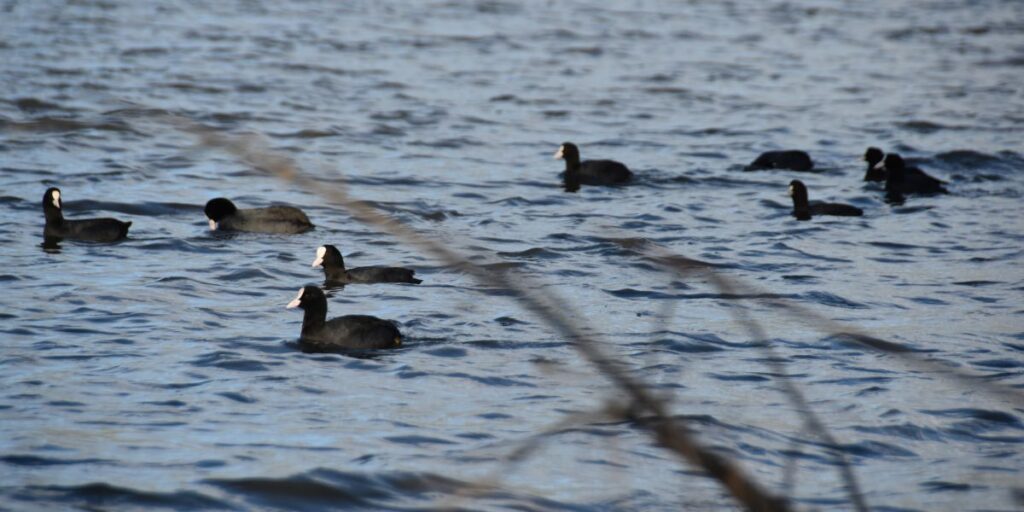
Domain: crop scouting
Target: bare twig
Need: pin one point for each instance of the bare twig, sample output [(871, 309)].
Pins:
[(792, 465), (668, 432), (682, 265), (811, 420)]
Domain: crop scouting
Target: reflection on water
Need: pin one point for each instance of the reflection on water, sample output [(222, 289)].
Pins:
[(51, 244)]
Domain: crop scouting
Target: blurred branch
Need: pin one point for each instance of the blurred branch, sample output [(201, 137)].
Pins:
[(811, 420), (684, 266), (669, 433)]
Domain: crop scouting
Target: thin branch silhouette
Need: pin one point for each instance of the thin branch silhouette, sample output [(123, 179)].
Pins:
[(645, 409), (739, 290), (667, 431)]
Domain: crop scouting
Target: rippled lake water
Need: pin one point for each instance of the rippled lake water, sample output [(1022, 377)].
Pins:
[(162, 372)]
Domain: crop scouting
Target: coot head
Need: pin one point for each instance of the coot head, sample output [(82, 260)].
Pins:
[(894, 164), (52, 205), (567, 151), (217, 209), (51, 199), (308, 296), (798, 191), (873, 155), (328, 255), (801, 207)]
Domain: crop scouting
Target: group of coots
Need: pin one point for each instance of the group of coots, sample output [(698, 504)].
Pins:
[(367, 332), (318, 334), (899, 180)]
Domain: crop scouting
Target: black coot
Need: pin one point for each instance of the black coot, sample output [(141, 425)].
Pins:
[(901, 179), (804, 210), (343, 332), (92, 230), (223, 215), (590, 172), (794, 160), (873, 156), (334, 270)]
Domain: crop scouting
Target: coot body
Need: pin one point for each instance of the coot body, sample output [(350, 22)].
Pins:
[(335, 272), (794, 160), (224, 215), (90, 230), (350, 332), (590, 172), (901, 179), (804, 210)]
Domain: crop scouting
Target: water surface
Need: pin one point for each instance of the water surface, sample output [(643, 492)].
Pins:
[(162, 372)]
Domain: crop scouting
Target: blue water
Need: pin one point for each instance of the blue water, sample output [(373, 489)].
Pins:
[(162, 372)]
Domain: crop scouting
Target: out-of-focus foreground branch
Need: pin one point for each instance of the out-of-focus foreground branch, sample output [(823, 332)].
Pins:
[(652, 412), (645, 409)]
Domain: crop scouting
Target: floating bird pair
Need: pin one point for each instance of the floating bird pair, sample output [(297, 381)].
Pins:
[(222, 215), (358, 332), (349, 332), (898, 177)]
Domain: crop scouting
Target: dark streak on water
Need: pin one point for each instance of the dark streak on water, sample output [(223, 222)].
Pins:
[(162, 372)]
